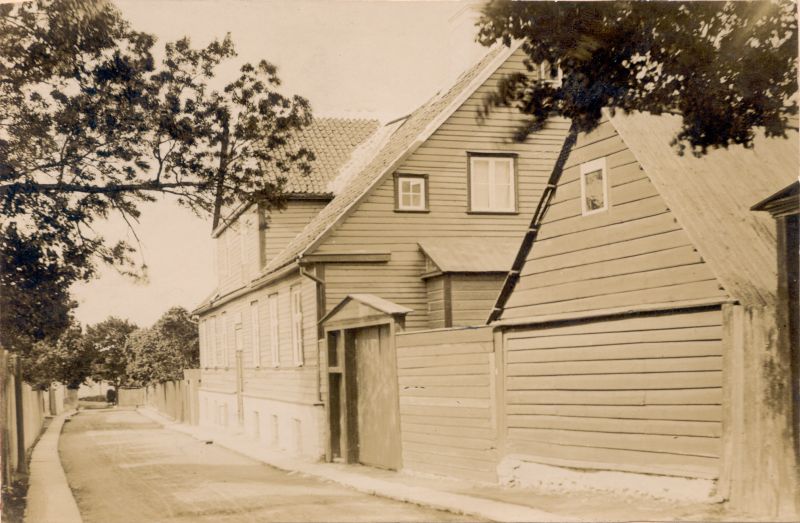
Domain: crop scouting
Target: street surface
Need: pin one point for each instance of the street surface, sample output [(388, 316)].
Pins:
[(122, 467)]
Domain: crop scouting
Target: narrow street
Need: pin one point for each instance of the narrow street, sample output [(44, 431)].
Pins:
[(123, 467)]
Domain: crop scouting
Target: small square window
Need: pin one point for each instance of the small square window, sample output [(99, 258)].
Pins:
[(411, 192), (594, 187), (492, 184)]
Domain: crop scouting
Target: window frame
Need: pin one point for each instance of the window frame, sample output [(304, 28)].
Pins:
[(512, 157), (598, 164), (398, 177)]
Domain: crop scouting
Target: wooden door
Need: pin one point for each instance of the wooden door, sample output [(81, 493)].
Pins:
[(378, 418), (239, 377)]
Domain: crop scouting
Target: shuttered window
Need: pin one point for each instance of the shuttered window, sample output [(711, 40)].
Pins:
[(492, 184), (255, 338), (274, 342), (222, 352), (296, 297), (212, 341)]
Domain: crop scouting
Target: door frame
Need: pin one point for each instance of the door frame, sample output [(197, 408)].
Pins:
[(338, 366)]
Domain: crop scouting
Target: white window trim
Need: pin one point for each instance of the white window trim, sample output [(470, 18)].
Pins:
[(296, 312), (492, 159), (544, 73), (590, 167), (255, 333), (274, 330), (423, 193)]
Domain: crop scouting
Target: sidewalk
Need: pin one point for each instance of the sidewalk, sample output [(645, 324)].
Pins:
[(484, 501), (49, 497)]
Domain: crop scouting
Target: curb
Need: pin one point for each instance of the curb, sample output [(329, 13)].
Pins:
[(427, 497), (49, 497)]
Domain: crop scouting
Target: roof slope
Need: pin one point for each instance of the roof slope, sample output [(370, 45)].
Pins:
[(711, 197), (409, 135), (332, 140), (468, 255)]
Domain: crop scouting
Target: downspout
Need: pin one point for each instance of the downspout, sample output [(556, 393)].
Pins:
[(320, 313)]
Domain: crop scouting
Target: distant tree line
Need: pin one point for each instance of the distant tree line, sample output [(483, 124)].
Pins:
[(116, 351)]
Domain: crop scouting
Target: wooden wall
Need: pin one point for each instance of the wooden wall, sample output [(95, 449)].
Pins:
[(473, 296), (374, 226), (637, 393), (446, 402), (287, 382), (633, 253), (435, 289), (283, 225)]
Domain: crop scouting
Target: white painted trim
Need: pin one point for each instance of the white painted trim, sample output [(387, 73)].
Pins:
[(589, 167)]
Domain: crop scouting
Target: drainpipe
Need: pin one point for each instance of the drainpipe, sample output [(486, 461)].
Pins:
[(320, 313)]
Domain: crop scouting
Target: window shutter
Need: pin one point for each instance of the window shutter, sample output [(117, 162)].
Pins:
[(255, 339), (212, 341), (297, 325), (274, 344)]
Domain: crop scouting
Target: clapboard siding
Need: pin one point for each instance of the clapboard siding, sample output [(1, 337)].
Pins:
[(373, 225), (446, 402), (435, 291), (473, 296), (282, 225), (634, 253), (287, 382), (613, 393)]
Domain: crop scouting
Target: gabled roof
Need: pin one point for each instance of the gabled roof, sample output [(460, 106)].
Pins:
[(711, 197), (375, 303), (468, 255), (782, 203), (409, 134), (332, 140)]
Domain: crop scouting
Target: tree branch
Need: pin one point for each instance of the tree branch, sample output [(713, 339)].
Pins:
[(105, 189)]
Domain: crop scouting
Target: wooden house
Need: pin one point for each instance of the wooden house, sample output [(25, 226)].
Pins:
[(408, 208), (639, 320)]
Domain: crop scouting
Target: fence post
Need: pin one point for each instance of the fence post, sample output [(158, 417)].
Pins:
[(22, 464)]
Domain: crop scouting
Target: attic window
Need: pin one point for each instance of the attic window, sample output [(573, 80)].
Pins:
[(492, 183), (594, 187), (411, 192), (550, 72)]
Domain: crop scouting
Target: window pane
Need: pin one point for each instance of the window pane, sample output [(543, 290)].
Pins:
[(479, 186), (503, 185), (593, 190)]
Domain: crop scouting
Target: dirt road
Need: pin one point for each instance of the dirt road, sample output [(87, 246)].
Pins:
[(123, 467)]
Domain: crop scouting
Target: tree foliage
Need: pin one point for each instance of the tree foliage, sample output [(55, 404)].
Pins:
[(161, 352), (68, 360), (35, 305), (726, 67), (108, 342), (91, 125)]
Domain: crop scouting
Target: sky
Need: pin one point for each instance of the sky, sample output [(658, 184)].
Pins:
[(366, 58)]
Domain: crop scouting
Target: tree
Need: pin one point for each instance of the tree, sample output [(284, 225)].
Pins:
[(108, 342), (34, 291), (67, 360), (91, 125), (161, 353), (727, 68)]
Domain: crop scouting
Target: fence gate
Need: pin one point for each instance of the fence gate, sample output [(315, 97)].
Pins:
[(362, 402)]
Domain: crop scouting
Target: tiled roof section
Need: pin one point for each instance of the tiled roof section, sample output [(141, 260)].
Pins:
[(711, 197), (332, 140), (402, 142), (469, 255)]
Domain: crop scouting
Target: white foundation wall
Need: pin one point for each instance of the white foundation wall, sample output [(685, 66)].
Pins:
[(290, 427), (218, 410)]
